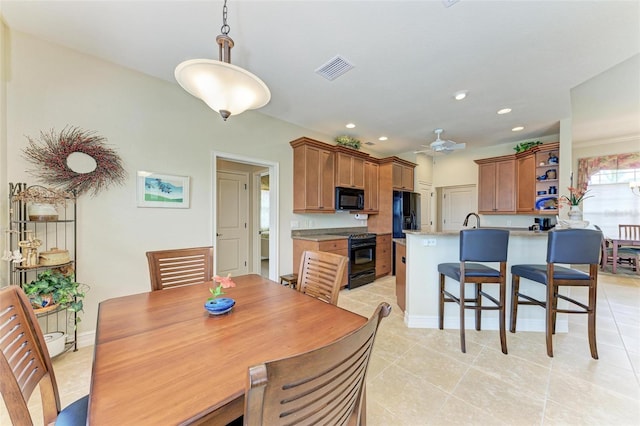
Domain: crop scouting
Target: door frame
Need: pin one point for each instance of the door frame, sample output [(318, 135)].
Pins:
[(274, 204)]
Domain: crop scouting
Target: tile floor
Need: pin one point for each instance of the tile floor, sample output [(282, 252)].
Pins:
[(420, 377)]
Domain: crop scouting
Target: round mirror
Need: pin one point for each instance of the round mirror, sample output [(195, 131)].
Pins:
[(80, 162)]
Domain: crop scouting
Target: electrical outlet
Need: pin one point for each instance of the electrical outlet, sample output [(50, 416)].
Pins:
[(508, 223), (295, 224)]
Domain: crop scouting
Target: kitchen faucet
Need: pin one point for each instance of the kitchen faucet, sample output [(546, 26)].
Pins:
[(466, 220)]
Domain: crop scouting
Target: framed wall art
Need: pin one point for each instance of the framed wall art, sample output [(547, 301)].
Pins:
[(166, 191)]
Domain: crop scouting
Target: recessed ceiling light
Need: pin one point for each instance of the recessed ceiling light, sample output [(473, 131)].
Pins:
[(504, 111), (460, 95), (350, 126), (517, 129), (383, 138)]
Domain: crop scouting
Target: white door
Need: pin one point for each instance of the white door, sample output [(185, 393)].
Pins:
[(426, 204), (232, 239), (457, 202)]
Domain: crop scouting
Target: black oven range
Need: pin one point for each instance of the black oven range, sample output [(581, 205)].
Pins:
[(362, 259)]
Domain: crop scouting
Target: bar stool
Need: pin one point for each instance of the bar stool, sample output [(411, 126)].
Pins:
[(569, 246), (477, 245), (290, 280)]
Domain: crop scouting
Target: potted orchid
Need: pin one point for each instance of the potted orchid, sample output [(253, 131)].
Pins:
[(217, 305), (573, 200)]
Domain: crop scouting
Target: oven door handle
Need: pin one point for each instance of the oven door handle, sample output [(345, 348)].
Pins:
[(362, 245)]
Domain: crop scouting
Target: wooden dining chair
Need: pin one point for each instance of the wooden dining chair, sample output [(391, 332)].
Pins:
[(178, 267), (568, 246), (322, 386), (626, 255), (25, 364), (320, 275)]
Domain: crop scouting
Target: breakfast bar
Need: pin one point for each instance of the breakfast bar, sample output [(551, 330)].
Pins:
[(425, 250)]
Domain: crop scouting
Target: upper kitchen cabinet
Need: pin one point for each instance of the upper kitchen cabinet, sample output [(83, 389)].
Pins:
[(371, 176), (382, 223), (350, 168), (497, 185), (313, 177), (538, 172), (402, 175)]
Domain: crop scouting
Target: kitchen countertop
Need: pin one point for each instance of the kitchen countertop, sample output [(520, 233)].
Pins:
[(520, 232)]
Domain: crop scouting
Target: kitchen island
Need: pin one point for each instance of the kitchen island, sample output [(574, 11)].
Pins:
[(425, 250)]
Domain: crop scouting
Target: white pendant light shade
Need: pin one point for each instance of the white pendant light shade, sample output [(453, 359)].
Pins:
[(224, 87)]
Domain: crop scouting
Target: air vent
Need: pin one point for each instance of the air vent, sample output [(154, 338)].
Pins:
[(334, 68), (369, 143)]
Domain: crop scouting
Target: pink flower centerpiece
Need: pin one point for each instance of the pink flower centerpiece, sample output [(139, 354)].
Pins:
[(225, 282)]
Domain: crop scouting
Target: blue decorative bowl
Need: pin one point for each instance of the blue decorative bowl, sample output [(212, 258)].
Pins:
[(219, 306)]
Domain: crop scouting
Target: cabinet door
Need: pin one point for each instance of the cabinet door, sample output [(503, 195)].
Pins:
[(349, 171), (313, 180), (371, 186), (383, 255), (401, 276), (486, 187), (402, 177), (526, 184), (326, 179), (505, 186)]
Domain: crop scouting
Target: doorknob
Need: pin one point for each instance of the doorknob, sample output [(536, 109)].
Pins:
[(218, 235)]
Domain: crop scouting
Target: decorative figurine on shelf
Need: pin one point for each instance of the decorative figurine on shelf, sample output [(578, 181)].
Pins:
[(30, 248), (15, 256), (553, 158)]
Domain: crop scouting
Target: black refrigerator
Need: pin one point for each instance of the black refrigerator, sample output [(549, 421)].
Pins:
[(406, 212), (406, 215)]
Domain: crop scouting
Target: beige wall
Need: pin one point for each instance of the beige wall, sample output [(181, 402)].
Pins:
[(155, 126)]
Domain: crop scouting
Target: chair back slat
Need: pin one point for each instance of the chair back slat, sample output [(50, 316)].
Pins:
[(574, 246), (24, 360), (484, 245), (629, 232), (179, 267), (323, 386), (320, 275)]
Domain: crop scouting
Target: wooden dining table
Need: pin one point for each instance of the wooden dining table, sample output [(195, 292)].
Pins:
[(616, 243), (161, 359)]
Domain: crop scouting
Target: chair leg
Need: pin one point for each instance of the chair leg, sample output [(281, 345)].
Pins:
[(501, 311), (441, 304), (515, 288), (591, 325), (550, 316), (478, 302), (463, 346)]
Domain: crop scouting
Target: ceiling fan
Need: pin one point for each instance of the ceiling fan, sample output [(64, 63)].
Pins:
[(440, 146)]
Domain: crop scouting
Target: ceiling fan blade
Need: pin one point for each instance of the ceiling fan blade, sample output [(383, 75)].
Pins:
[(461, 145)]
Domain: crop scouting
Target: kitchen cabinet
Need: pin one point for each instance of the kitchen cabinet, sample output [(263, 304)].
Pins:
[(313, 177), (383, 255), (401, 275), (337, 246), (349, 169), (537, 176), (382, 223), (371, 176), (497, 185), (402, 176)]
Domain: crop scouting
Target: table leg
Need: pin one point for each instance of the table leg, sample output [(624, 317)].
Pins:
[(614, 253)]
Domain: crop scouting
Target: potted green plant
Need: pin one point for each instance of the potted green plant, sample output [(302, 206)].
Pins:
[(348, 141), (51, 288)]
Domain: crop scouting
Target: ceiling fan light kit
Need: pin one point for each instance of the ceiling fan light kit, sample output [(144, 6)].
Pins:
[(225, 88), (440, 146)]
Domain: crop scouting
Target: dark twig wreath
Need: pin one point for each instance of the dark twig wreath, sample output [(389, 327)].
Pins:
[(51, 152)]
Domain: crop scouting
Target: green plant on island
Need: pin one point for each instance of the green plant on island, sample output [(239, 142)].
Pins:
[(525, 146), (52, 287), (348, 141)]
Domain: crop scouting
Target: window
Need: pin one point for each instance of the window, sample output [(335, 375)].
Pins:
[(612, 203)]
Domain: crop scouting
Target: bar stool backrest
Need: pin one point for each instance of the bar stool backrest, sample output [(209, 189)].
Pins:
[(484, 245), (574, 246)]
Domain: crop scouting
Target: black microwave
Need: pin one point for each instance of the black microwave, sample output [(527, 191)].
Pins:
[(349, 198)]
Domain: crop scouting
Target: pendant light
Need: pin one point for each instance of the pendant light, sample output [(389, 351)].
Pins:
[(225, 88)]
